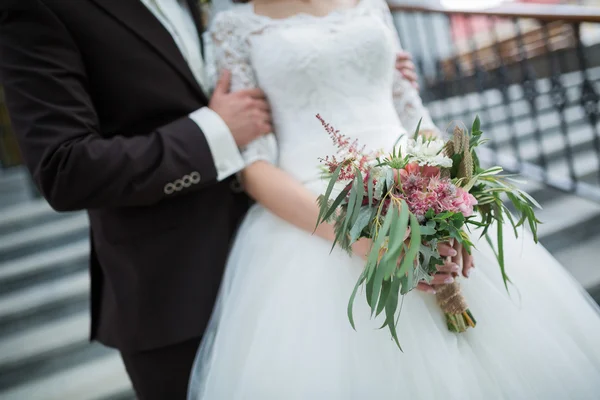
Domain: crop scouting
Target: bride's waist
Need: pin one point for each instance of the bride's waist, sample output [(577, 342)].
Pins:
[(300, 156)]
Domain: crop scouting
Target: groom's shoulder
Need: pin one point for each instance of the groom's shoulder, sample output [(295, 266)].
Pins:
[(18, 5)]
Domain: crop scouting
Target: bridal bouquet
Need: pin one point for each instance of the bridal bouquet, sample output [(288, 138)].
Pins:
[(424, 192)]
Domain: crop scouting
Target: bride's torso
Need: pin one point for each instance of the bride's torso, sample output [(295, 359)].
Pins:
[(339, 66)]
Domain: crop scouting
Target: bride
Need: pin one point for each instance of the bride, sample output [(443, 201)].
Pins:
[(280, 329)]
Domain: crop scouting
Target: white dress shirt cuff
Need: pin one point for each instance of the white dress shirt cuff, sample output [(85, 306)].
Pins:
[(225, 153)]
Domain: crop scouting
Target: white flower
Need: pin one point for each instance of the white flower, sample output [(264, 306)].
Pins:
[(379, 174), (426, 152)]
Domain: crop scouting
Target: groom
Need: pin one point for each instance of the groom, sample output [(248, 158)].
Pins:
[(109, 101)]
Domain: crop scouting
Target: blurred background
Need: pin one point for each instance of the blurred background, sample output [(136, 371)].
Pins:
[(531, 72)]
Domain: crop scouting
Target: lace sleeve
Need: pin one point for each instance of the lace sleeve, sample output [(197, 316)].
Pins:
[(232, 52), (407, 101)]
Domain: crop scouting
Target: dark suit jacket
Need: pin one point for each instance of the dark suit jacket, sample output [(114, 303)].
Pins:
[(99, 94)]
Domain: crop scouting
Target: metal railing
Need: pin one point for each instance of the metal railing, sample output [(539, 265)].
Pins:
[(532, 74)]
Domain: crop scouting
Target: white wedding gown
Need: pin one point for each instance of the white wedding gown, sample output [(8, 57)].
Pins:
[(280, 329)]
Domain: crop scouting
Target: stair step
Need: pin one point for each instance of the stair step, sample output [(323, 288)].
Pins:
[(566, 212), (95, 373), (45, 265), (582, 262), (43, 237), (47, 299), (23, 350), (25, 214), (127, 394)]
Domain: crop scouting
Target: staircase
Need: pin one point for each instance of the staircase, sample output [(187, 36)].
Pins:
[(44, 297)]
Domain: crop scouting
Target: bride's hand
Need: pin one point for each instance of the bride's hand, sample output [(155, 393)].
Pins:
[(464, 259), (447, 271), (362, 247), (407, 68)]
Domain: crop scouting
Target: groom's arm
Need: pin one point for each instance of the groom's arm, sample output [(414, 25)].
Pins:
[(58, 130)]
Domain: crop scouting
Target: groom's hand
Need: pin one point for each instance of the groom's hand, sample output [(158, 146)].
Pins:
[(246, 112)]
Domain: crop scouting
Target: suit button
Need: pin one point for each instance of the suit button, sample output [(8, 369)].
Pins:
[(236, 186), (195, 177), (169, 188)]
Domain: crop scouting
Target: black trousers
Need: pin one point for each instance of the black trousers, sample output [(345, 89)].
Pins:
[(162, 374)]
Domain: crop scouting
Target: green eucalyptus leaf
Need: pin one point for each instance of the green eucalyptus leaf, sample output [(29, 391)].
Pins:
[(415, 244), (330, 186), (371, 190), (390, 310), (385, 292), (364, 217), (375, 275), (387, 263), (352, 297), (336, 203)]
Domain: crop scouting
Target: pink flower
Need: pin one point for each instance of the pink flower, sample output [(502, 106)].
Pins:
[(412, 168), (464, 202), (430, 171)]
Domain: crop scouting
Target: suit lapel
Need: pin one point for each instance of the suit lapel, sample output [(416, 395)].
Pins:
[(134, 15)]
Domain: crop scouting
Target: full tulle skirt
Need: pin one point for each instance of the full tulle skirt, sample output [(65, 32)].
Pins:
[(280, 330)]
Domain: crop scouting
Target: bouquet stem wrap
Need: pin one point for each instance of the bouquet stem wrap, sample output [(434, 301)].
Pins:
[(454, 306)]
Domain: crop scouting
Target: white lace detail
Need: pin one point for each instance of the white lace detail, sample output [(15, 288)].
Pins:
[(231, 53), (340, 66)]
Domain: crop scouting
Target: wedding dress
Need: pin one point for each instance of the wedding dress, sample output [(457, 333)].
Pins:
[(280, 329)]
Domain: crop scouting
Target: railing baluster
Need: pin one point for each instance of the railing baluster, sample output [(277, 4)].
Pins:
[(558, 97), (504, 89), (531, 94), (481, 79), (589, 97)]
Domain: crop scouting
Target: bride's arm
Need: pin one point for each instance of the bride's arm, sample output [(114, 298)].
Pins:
[(287, 198), (407, 100)]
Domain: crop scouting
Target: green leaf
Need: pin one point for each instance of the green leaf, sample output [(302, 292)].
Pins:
[(377, 279), (360, 194), (364, 217), (351, 302), (385, 292), (371, 190), (378, 240), (476, 126), (389, 178), (327, 194), (397, 233), (410, 279), (491, 171), (341, 197), (416, 135), (349, 212), (501, 255), (415, 244), (390, 310), (428, 229), (528, 197)]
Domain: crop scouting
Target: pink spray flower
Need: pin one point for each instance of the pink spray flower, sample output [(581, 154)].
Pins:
[(464, 202)]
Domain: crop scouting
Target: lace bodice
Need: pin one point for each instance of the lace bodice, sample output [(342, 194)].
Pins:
[(340, 66)]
